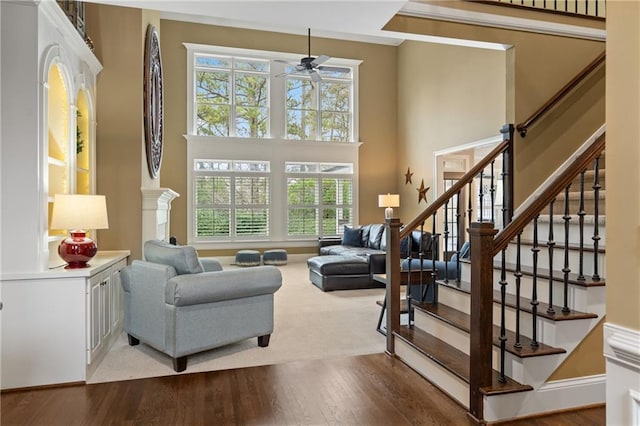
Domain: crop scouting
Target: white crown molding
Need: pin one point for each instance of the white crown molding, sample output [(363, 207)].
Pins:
[(423, 10), (622, 345)]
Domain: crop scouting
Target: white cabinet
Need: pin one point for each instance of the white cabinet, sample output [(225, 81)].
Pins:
[(104, 296), (58, 324)]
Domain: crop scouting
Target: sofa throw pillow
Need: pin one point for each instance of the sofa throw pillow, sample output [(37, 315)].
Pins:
[(351, 236)]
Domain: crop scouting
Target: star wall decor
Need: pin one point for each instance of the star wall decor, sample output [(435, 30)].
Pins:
[(407, 176), (422, 192)]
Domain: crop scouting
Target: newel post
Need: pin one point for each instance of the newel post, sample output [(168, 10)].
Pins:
[(481, 239), (393, 281)]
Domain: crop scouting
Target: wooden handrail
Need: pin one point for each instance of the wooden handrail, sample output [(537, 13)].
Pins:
[(548, 193), (523, 127), (461, 183)]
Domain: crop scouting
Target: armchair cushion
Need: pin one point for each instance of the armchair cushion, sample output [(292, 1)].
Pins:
[(208, 287), (184, 259)]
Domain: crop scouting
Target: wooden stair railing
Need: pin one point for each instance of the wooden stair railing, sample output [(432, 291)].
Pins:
[(485, 245), (594, 9), (523, 127), (395, 234)]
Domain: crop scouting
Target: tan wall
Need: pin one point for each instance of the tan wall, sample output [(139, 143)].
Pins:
[(118, 34), (623, 156), (377, 104), (542, 64), (447, 96)]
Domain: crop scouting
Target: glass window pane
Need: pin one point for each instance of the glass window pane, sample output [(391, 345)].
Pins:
[(300, 94), (252, 65), (336, 168), (301, 167), (336, 97), (212, 222), (213, 190), (301, 125), (213, 87), (251, 122), (336, 126), (252, 190), (302, 221), (302, 191), (213, 61), (251, 90), (213, 120), (252, 222)]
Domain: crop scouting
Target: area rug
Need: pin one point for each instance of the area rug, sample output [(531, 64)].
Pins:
[(308, 324)]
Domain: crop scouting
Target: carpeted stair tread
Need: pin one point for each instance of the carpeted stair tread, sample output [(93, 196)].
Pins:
[(462, 321), (453, 360)]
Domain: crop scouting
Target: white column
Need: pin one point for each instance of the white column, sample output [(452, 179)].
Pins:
[(156, 206)]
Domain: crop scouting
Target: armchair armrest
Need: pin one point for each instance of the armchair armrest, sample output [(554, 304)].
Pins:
[(207, 287), (328, 241), (377, 263), (210, 264)]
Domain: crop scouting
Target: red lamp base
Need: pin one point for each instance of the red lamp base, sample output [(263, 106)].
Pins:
[(77, 250)]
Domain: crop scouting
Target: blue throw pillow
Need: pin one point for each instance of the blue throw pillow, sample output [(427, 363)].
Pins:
[(351, 236)]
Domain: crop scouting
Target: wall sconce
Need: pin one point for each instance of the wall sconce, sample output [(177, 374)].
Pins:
[(389, 201), (78, 213)]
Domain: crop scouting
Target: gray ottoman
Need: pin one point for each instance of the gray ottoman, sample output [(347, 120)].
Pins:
[(276, 257), (340, 273), (248, 258)]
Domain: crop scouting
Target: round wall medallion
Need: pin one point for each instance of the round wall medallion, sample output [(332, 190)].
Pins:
[(153, 105)]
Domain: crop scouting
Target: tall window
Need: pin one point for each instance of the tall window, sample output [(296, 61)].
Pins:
[(258, 170), (319, 198), (231, 199), (232, 96)]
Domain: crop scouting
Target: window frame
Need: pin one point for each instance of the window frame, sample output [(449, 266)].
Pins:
[(276, 149)]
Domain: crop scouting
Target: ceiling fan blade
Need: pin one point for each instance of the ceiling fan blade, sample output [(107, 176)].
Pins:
[(320, 60), (315, 77), (282, 61), (334, 69)]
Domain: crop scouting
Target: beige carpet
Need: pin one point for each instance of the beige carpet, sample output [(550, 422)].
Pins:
[(309, 324)]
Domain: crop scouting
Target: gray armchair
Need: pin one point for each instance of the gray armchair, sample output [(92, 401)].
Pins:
[(180, 304)]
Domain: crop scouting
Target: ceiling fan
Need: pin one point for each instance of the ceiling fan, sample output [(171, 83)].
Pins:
[(311, 66)]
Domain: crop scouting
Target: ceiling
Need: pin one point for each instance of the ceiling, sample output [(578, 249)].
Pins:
[(359, 20)]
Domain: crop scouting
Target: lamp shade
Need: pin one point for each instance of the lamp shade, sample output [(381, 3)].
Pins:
[(75, 211), (389, 200)]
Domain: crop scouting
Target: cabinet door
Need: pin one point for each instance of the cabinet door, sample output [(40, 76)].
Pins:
[(105, 306), (93, 302), (116, 298)]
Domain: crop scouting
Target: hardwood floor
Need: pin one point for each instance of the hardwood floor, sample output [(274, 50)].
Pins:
[(363, 390)]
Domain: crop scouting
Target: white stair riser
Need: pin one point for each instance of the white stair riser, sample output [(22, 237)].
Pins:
[(524, 370), (584, 299), (574, 231), (546, 328), (526, 259), (436, 374)]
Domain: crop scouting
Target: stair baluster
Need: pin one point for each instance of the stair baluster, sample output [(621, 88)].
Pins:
[(566, 270), (518, 275), (534, 291), (446, 240), (470, 203), (492, 192), (503, 300), (434, 273), (551, 244), (459, 234), (581, 214), (596, 235), (481, 195)]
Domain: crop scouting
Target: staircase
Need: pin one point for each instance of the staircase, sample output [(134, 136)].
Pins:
[(547, 295)]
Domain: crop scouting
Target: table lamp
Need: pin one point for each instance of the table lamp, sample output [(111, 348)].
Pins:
[(78, 213), (389, 201)]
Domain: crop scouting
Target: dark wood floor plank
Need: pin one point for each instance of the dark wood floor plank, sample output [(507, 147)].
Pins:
[(364, 390)]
